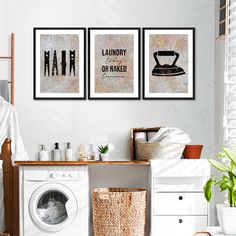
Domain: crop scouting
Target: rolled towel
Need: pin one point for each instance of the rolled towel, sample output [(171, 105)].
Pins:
[(140, 137), (171, 135), (4, 90)]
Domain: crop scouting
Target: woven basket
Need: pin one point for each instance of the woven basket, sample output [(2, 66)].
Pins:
[(119, 211), (158, 150)]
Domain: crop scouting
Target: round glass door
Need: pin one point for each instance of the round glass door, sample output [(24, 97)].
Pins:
[(53, 207)]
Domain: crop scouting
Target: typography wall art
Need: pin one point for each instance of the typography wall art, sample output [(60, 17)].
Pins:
[(114, 63)]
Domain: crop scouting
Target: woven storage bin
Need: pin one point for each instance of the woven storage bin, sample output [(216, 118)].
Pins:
[(119, 211), (158, 150)]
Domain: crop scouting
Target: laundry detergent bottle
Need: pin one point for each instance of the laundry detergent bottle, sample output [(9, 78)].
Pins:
[(56, 153), (68, 152), (43, 154)]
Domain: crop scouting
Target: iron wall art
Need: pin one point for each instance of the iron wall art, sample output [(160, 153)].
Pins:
[(168, 63), (114, 63), (59, 63)]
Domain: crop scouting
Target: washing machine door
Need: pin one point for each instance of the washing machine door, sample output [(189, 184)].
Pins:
[(53, 207)]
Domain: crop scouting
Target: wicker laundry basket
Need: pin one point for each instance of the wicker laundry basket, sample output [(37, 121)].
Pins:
[(158, 150), (119, 211)]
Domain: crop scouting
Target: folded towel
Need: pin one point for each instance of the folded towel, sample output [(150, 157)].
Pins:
[(4, 89), (171, 135)]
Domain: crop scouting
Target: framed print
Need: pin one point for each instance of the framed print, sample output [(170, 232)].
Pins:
[(59, 63), (114, 63), (168, 63)]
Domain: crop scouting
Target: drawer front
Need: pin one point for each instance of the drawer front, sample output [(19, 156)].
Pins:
[(178, 225), (179, 204), (180, 168), (179, 184)]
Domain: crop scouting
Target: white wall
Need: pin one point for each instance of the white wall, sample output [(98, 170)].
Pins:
[(75, 121)]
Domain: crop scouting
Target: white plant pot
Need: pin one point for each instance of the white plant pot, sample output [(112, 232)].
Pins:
[(227, 218), (105, 157)]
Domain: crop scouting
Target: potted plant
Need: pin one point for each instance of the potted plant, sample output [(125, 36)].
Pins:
[(103, 152), (226, 182)]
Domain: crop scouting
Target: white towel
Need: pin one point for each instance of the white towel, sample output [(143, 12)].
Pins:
[(2, 221), (171, 135), (140, 137), (4, 89), (9, 128)]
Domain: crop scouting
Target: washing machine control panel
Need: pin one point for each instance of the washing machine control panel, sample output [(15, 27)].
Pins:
[(64, 175)]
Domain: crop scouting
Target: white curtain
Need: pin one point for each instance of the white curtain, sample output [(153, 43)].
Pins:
[(230, 76)]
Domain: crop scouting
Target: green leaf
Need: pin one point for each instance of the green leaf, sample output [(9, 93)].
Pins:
[(218, 165), (221, 154), (226, 184), (106, 149), (219, 182), (230, 154), (208, 189), (223, 187), (103, 149), (225, 178), (232, 166), (232, 177), (234, 197)]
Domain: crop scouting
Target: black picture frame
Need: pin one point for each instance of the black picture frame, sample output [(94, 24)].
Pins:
[(138, 29), (144, 30), (82, 79)]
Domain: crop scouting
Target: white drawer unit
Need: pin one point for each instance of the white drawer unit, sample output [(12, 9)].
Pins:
[(178, 206)]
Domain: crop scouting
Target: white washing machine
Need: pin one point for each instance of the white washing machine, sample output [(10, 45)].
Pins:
[(54, 201)]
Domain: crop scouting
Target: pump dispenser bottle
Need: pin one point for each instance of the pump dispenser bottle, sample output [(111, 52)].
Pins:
[(68, 152), (43, 154), (56, 153)]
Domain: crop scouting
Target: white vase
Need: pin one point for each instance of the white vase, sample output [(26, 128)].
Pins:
[(227, 218), (104, 157)]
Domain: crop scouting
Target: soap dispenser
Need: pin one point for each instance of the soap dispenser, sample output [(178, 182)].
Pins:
[(56, 153), (43, 154), (68, 152)]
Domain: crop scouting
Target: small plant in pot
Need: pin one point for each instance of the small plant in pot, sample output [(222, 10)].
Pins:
[(103, 152), (226, 182)]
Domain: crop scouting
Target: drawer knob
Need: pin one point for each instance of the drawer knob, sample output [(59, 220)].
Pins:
[(180, 221), (180, 198)]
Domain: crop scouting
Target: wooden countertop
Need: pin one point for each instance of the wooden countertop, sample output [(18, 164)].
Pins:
[(72, 163)]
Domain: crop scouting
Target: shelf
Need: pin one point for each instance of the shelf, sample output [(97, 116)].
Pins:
[(74, 163)]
